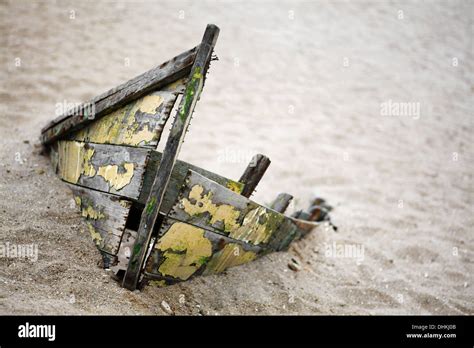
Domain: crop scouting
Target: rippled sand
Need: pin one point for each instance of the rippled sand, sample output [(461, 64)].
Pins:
[(303, 83)]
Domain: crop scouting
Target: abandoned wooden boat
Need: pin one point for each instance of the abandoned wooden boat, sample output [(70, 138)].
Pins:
[(157, 219)]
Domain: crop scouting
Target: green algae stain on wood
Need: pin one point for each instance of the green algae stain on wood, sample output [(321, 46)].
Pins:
[(184, 248)]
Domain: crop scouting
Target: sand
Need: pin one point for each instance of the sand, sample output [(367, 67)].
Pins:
[(312, 84)]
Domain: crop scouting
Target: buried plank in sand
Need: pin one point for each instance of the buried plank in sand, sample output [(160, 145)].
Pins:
[(158, 220)]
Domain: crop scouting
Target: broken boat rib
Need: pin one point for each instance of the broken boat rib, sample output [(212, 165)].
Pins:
[(154, 218)]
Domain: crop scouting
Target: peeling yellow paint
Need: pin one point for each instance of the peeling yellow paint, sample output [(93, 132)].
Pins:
[(88, 169), (124, 203), (232, 255), (235, 186), (74, 160), (78, 200), (121, 127), (257, 226), (150, 103), (96, 237), (114, 178), (224, 212), (158, 283), (136, 138), (184, 249), (90, 213)]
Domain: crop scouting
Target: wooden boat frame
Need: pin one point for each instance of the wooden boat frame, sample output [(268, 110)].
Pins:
[(157, 219)]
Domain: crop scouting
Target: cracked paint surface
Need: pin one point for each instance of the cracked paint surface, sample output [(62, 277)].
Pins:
[(257, 226), (122, 126), (75, 160), (184, 249), (117, 180), (231, 255), (96, 237), (198, 203)]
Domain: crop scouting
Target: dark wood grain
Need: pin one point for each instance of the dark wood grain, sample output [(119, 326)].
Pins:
[(254, 173), (170, 154)]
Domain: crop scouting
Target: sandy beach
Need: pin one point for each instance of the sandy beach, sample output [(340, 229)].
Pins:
[(368, 104)]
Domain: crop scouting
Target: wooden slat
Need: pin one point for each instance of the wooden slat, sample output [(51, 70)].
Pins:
[(170, 154), (185, 250), (172, 70), (107, 168), (281, 202), (208, 205), (254, 173), (68, 167), (124, 252), (139, 123), (180, 171), (105, 216)]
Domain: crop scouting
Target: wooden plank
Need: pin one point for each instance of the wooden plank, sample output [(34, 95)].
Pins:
[(254, 173), (170, 154), (184, 251), (281, 202), (105, 216), (139, 123), (107, 168), (155, 79), (180, 171), (206, 204), (69, 167)]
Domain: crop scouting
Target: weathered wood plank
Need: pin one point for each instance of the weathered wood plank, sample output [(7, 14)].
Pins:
[(155, 79), (281, 202), (138, 191), (184, 251), (208, 205), (254, 173), (180, 171), (139, 123), (107, 168), (105, 216), (170, 154)]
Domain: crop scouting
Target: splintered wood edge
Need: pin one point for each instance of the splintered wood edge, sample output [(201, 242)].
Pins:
[(73, 120)]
